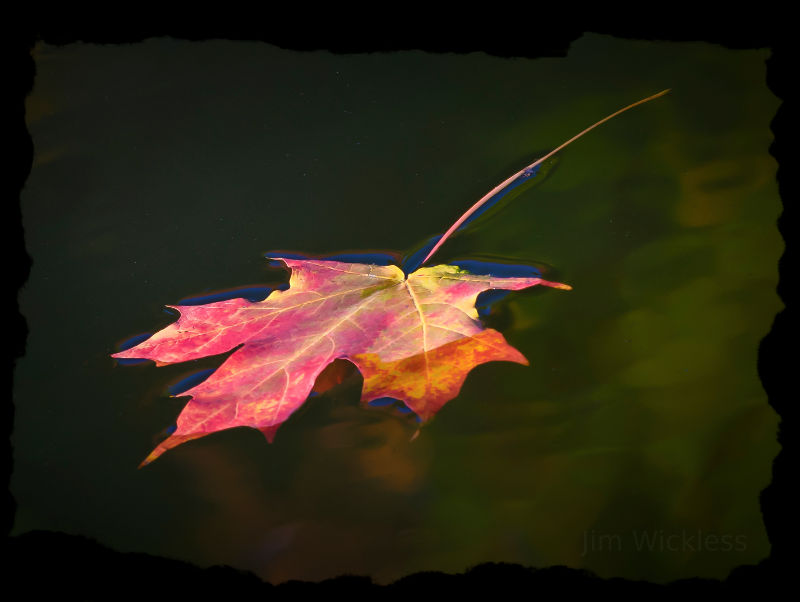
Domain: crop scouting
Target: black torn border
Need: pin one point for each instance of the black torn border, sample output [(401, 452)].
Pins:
[(50, 562)]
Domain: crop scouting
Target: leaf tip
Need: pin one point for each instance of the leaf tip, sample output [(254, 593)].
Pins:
[(153, 455), (560, 285), (269, 432), (167, 444)]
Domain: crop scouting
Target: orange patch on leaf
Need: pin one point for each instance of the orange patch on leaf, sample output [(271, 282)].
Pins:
[(427, 381)]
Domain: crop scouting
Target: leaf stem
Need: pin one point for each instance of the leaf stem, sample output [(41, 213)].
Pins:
[(509, 180)]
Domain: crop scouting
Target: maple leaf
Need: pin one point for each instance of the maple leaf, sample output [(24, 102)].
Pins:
[(413, 338)]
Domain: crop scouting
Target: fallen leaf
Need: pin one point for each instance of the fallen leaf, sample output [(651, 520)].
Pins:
[(413, 338)]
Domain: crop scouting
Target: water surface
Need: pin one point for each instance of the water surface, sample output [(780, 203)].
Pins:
[(635, 444)]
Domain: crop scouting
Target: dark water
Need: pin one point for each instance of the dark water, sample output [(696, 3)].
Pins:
[(634, 445)]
